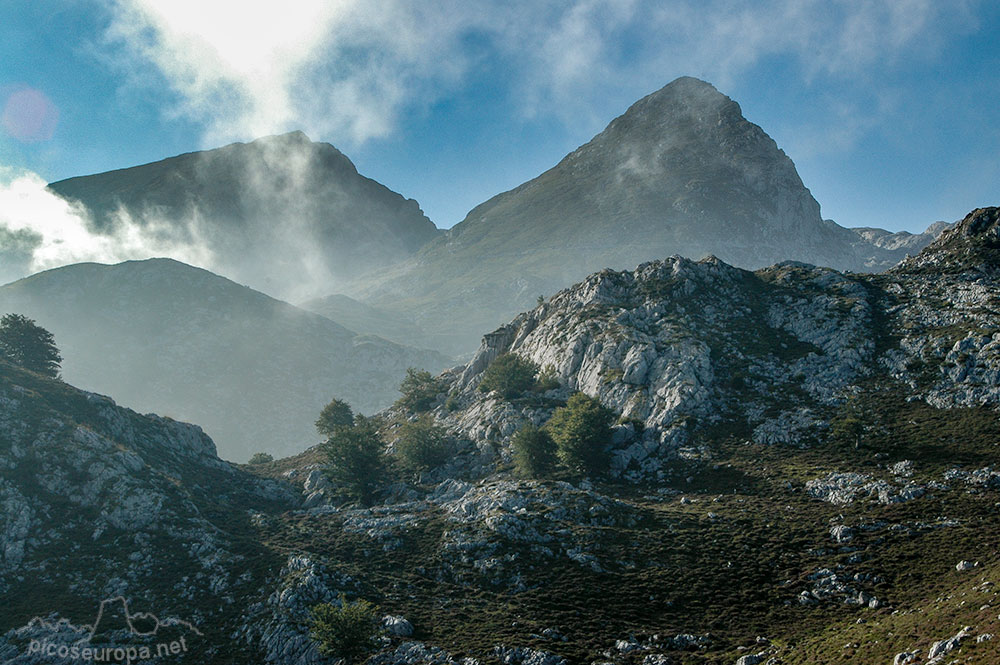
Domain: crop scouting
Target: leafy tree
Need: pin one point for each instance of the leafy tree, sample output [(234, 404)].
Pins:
[(355, 458), (581, 429), (534, 452), (848, 425), (419, 390), (334, 415), (510, 375), (348, 631), (421, 446), (848, 428), (261, 458), (24, 343)]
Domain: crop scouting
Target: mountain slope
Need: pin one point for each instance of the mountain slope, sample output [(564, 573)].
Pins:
[(283, 214), (100, 504), (681, 172), (170, 338), (678, 346), (713, 538)]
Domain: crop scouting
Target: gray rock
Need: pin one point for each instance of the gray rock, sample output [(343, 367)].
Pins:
[(397, 626)]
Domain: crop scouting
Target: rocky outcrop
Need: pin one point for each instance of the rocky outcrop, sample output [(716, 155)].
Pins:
[(676, 346), (101, 502)]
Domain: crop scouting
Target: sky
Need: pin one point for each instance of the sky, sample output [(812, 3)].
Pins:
[(887, 107)]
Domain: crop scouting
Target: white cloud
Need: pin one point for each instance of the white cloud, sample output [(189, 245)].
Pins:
[(39, 230), (346, 69)]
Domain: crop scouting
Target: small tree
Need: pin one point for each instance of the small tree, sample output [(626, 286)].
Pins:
[(421, 446), (848, 428), (510, 375), (261, 458), (848, 425), (419, 390), (355, 459), (24, 343), (534, 452), (334, 415), (581, 429), (348, 631)]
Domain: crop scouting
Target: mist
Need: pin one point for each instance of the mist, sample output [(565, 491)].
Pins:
[(40, 230)]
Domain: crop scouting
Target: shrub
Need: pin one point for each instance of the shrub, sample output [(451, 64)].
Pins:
[(419, 390), (534, 452), (581, 429), (24, 343), (355, 459), (334, 415), (348, 631), (421, 446), (261, 458), (510, 375), (547, 379)]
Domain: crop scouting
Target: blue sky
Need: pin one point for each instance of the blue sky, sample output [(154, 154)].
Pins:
[(888, 108)]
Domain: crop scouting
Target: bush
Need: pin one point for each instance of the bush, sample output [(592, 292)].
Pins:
[(419, 390), (334, 415), (24, 343), (421, 446), (547, 379), (348, 631), (261, 458), (581, 429), (534, 452), (510, 375), (355, 459)]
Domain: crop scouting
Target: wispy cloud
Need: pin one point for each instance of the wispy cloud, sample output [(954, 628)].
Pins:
[(39, 230), (348, 68)]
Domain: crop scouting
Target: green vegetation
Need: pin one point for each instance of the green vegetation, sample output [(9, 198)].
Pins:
[(421, 446), (419, 390), (534, 452), (355, 459), (848, 425), (548, 379), (261, 458), (581, 429), (334, 415), (348, 631), (510, 375), (28, 345)]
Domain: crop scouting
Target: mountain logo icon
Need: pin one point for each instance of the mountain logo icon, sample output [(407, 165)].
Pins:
[(113, 618), (114, 614)]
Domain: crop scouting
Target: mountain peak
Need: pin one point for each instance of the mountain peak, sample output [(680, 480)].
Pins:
[(972, 245)]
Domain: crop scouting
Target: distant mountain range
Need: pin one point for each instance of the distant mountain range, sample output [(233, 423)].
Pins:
[(680, 172), (167, 337), (283, 214)]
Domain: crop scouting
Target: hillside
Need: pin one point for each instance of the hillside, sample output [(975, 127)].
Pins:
[(165, 337), (800, 469), (680, 172), (283, 214)]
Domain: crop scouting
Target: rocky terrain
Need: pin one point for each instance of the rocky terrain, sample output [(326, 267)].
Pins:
[(802, 469), (166, 337), (680, 172), (285, 215)]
